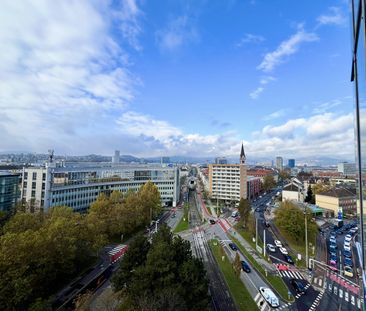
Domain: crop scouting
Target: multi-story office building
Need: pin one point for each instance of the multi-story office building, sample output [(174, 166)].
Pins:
[(358, 76), (220, 160), (9, 191), (291, 163), (279, 163), (115, 158), (347, 168), (254, 187), (228, 181), (78, 187)]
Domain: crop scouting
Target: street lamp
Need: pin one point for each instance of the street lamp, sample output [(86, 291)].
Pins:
[(306, 239)]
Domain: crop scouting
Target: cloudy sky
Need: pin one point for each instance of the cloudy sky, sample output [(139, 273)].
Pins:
[(176, 77)]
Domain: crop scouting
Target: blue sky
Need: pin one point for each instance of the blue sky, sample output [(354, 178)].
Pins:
[(177, 77)]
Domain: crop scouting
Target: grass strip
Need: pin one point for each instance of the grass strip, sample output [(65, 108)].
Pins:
[(277, 283), (183, 223), (240, 294)]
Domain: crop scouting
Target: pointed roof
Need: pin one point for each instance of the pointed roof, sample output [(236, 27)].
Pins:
[(242, 153)]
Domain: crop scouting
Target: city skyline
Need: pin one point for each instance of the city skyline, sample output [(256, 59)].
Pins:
[(185, 78)]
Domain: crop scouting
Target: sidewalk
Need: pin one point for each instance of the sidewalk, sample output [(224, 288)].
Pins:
[(265, 264)]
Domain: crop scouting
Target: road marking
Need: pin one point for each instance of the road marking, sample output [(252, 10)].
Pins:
[(320, 282), (346, 297), (353, 300), (315, 280), (340, 293), (335, 290), (359, 303), (330, 287)]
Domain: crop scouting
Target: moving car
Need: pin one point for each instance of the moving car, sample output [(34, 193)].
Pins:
[(212, 221), (283, 250), (288, 259), (269, 296), (233, 246), (347, 254), (245, 266), (298, 286), (271, 248), (348, 271), (278, 243)]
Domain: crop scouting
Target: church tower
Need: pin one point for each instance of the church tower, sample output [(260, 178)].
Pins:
[(242, 155)]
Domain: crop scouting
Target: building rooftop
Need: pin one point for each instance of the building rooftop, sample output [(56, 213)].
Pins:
[(340, 192), (292, 187)]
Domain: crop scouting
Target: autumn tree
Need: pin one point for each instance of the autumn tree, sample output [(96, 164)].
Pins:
[(268, 182), (237, 265)]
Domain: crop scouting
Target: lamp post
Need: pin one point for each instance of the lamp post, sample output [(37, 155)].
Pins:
[(306, 239)]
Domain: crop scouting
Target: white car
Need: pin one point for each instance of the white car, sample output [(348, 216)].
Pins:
[(278, 243), (271, 248), (283, 250), (269, 296), (332, 240), (348, 238), (347, 247)]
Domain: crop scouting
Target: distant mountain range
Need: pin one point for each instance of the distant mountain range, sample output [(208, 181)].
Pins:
[(309, 161)]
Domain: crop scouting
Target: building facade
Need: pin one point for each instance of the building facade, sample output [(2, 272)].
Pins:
[(291, 163), (279, 163), (228, 181), (79, 187), (9, 191), (346, 168), (220, 160), (254, 187), (337, 199)]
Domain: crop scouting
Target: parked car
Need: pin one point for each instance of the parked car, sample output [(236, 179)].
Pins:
[(332, 240), (348, 271), (283, 250), (278, 243), (333, 260), (271, 248), (333, 247), (347, 254), (269, 296), (347, 246), (245, 266), (233, 246), (298, 286), (348, 237), (212, 221), (348, 262), (288, 259)]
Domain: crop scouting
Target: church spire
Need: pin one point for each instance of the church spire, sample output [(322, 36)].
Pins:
[(242, 155)]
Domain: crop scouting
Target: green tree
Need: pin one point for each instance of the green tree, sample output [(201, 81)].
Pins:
[(291, 220), (164, 269), (268, 182), (244, 209), (309, 196), (237, 265)]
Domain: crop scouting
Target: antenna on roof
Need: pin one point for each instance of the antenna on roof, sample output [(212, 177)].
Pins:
[(50, 155)]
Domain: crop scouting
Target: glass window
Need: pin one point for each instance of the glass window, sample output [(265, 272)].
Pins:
[(34, 175)]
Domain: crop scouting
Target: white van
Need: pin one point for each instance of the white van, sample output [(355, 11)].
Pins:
[(235, 214), (269, 296)]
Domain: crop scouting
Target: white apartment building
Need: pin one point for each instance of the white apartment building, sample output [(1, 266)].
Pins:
[(227, 181), (79, 186)]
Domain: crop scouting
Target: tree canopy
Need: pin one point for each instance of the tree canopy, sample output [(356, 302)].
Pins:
[(162, 275), (41, 252), (268, 182)]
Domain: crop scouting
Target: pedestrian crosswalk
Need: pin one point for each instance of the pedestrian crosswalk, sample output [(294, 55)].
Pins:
[(291, 274), (338, 291)]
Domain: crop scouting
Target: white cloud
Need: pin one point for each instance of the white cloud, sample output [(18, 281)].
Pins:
[(335, 17), (275, 115), (179, 32), (255, 94), (250, 38), (325, 107), (62, 72), (286, 48)]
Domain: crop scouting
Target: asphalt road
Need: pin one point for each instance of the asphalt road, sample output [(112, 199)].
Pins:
[(221, 298)]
